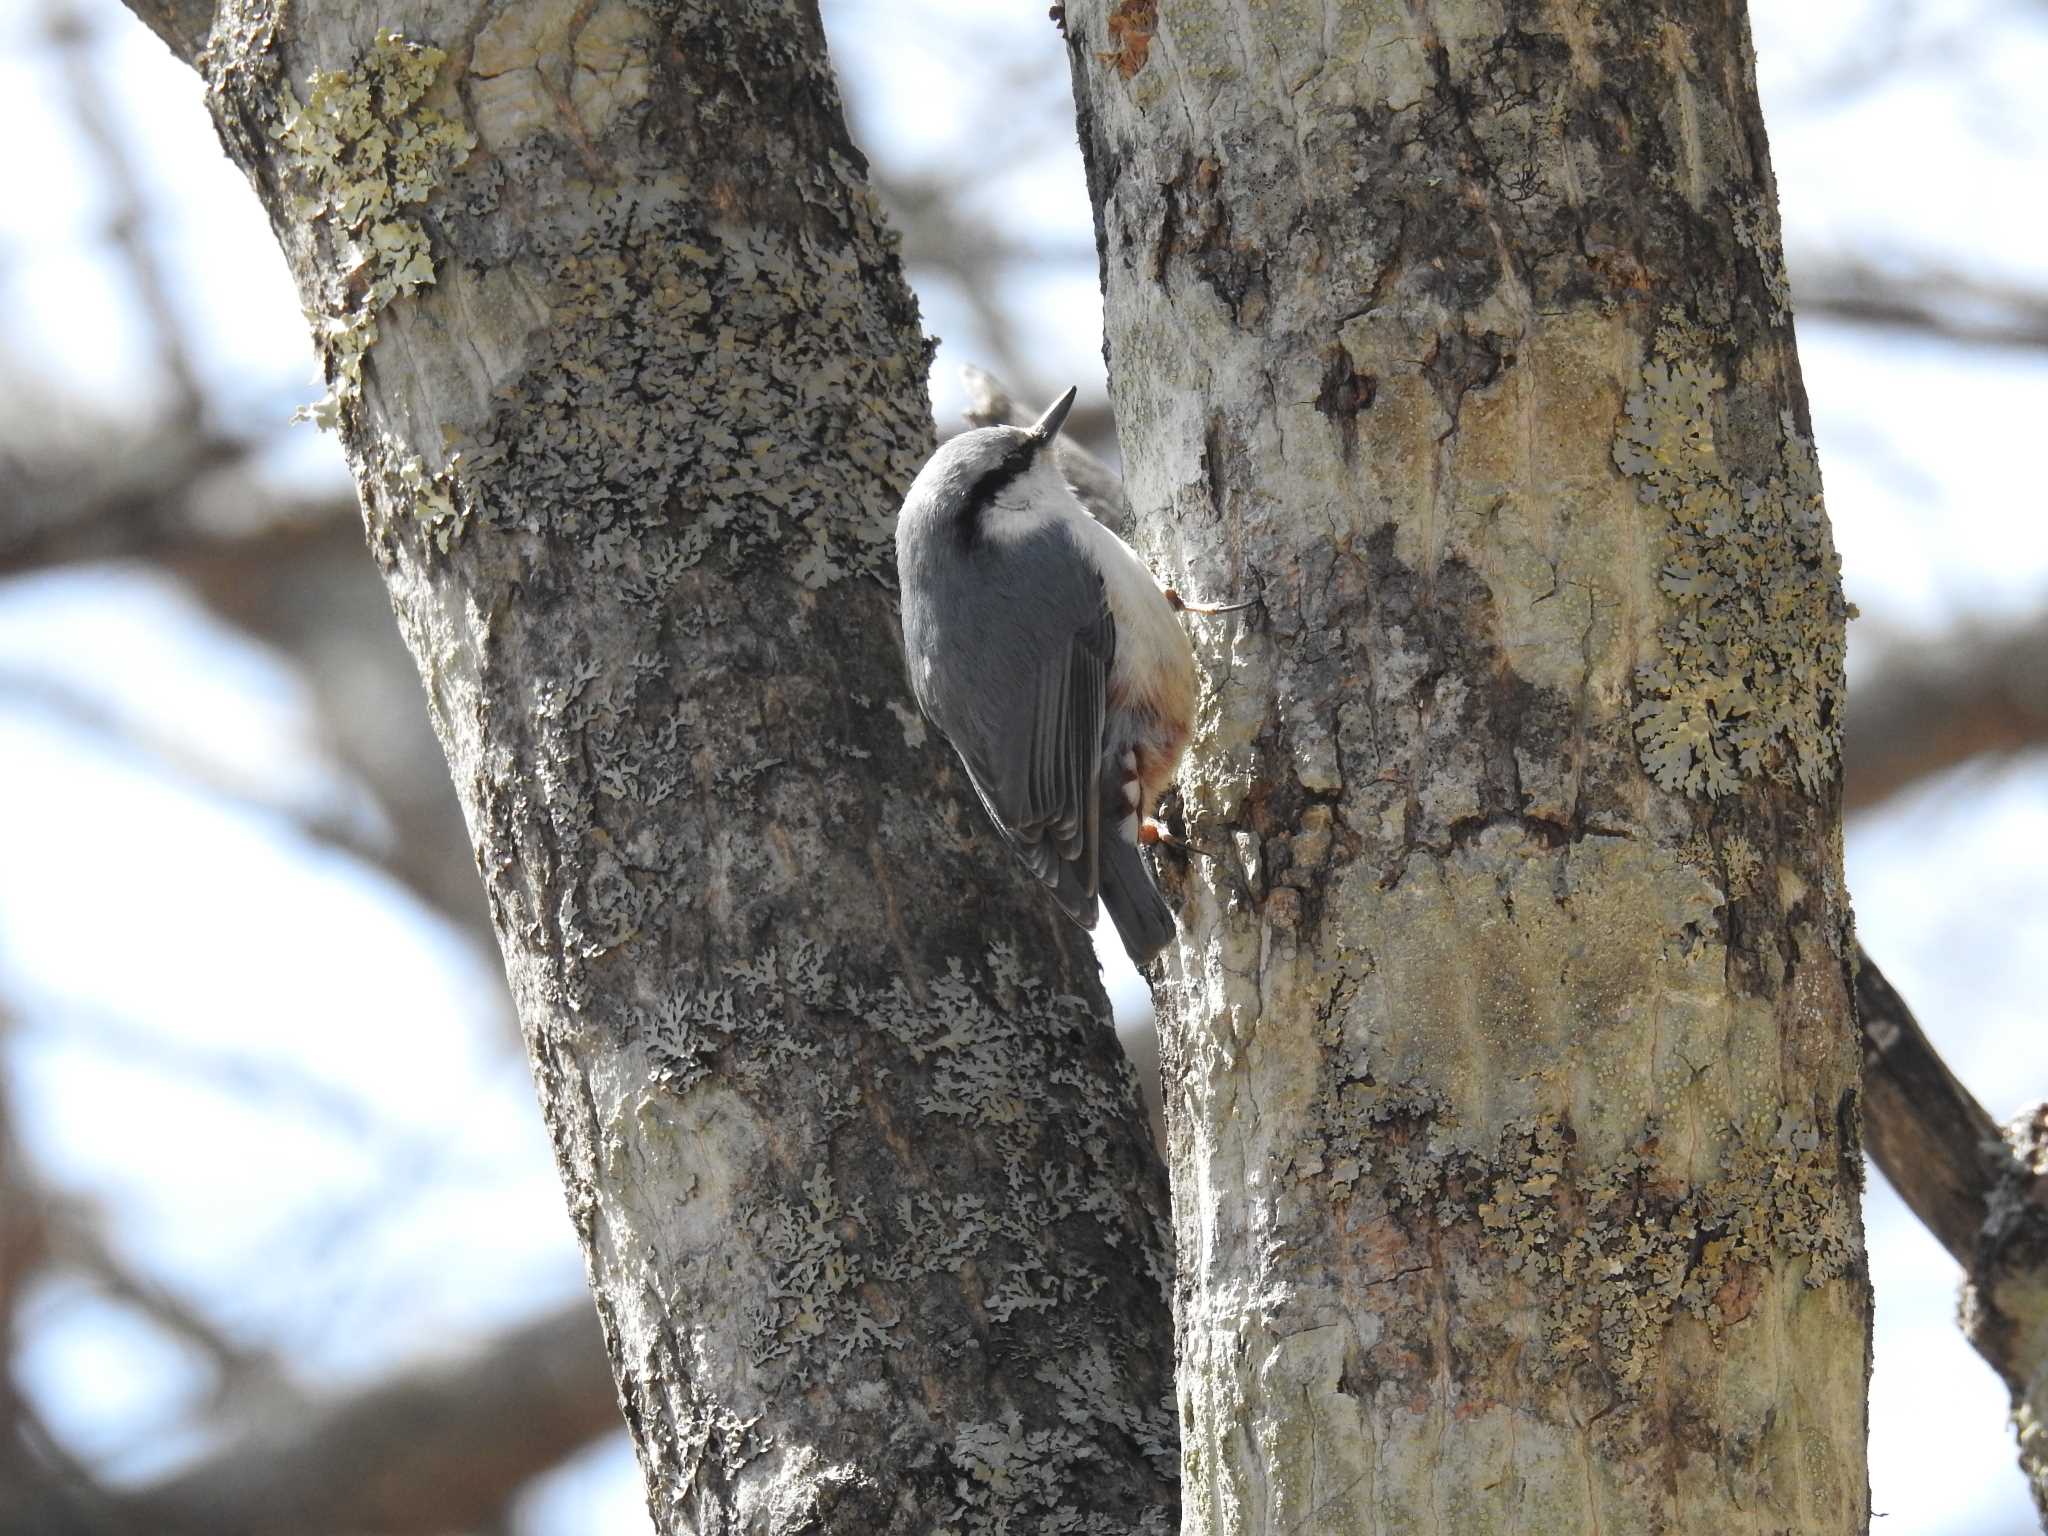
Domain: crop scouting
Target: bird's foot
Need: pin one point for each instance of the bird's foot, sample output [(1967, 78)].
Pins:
[(1180, 604)]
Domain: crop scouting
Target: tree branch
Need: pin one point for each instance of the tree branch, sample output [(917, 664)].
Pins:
[(1952, 306), (1929, 708), (421, 857), (1983, 1193), (86, 101), (183, 25), (171, 491), (437, 1448), (2005, 1300), (1354, 365), (1929, 1137)]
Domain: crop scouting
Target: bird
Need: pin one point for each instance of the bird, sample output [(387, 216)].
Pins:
[(1052, 660)]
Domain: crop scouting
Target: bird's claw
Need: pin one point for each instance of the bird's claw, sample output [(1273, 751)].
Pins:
[(1152, 833), (1180, 604)]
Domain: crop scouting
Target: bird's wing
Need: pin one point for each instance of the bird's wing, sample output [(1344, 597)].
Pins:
[(1035, 758)]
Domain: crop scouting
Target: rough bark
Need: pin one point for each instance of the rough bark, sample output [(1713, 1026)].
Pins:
[(631, 384), (1510, 1064)]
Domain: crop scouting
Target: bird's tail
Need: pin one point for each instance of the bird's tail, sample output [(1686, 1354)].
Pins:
[(1143, 920)]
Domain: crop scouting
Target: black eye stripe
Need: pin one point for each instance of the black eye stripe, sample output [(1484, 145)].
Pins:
[(991, 485)]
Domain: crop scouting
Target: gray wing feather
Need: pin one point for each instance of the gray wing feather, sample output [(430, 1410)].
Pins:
[(1037, 764), (1019, 684)]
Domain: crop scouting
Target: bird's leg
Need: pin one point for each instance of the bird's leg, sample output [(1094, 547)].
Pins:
[(1180, 604)]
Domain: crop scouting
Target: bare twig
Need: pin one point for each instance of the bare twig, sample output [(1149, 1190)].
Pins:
[(78, 1242), (314, 594), (309, 590), (182, 24), (43, 1488), (203, 773), (433, 1450), (129, 499), (37, 1476), (1885, 43)]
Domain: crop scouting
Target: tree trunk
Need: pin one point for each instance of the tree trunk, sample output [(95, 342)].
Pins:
[(1510, 1064), (631, 385)]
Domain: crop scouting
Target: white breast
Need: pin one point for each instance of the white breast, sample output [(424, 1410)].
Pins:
[(1155, 664)]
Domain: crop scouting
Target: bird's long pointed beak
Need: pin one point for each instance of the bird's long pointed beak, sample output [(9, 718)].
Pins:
[(1047, 427)]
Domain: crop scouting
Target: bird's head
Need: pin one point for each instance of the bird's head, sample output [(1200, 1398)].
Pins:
[(975, 472)]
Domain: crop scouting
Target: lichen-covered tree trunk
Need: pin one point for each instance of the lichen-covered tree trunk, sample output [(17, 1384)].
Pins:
[(1510, 1066), (631, 384)]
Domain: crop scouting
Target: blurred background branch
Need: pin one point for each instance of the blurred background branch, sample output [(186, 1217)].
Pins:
[(1978, 692), (1944, 304)]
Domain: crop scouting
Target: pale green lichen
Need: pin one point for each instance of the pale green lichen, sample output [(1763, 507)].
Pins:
[(2004, 1304), (2030, 1429), (660, 303), (911, 720), (1368, 1125), (817, 1297), (1756, 231), (982, 1059), (1626, 1250), (1011, 1472), (834, 1255), (432, 498), (359, 152), (1750, 683), (1613, 1251), (1091, 1391)]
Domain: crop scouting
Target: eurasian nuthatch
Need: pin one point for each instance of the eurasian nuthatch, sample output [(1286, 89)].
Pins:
[(1050, 658)]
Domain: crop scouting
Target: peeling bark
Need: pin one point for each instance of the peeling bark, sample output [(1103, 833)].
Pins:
[(1510, 1063), (630, 383)]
